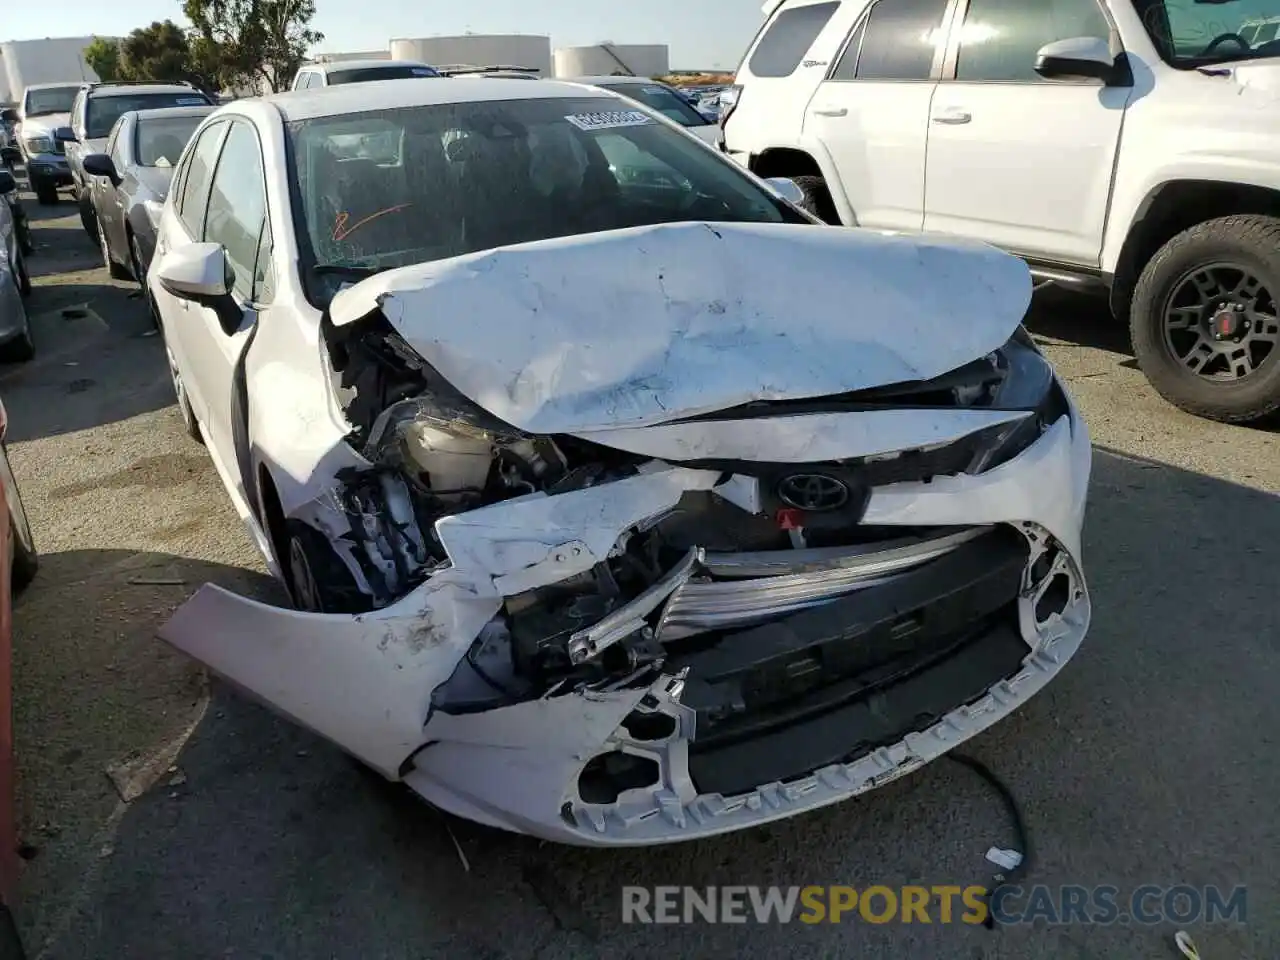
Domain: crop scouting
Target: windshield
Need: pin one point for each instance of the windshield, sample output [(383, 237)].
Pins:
[(365, 74), (390, 188), (159, 141), (662, 99), (1190, 34), (49, 100), (103, 112)]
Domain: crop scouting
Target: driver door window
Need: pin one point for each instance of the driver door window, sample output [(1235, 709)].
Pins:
[(238, 206), (1000, 38), (1021, 162), (197, 177)]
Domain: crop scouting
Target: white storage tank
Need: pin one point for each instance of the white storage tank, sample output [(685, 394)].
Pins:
[(608, 59), (53, 60), (478, 50)]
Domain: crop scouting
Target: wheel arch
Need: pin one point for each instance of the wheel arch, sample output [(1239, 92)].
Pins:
[(804, 160), (1172, 207)]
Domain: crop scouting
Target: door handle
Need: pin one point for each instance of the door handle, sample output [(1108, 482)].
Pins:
[(953, 116), (830, 111)]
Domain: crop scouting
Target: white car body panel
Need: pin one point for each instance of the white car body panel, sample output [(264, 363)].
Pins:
[(559, 337), (651, 324), (365, 681)]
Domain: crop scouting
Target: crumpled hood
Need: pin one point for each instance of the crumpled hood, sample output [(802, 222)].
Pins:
[(1262, 75), (43, 125), (651, 324)]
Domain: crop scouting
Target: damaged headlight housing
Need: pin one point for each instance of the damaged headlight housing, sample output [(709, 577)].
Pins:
[(1027, 383)]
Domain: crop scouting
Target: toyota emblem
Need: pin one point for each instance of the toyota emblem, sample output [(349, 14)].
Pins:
[(813, 492)]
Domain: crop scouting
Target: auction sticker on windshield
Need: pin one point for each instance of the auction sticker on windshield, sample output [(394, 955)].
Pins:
[(607, 121)]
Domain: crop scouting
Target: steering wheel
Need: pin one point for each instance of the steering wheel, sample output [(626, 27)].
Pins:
[(1218, 41)]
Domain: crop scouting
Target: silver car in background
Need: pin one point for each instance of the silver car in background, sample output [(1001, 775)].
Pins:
[(15, 283)]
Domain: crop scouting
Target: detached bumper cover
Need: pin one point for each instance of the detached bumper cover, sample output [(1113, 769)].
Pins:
[(766, 722)]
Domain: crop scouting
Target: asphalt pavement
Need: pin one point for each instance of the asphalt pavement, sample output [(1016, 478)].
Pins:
[(1150, 760)]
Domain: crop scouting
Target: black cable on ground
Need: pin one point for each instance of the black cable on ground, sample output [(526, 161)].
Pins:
[(1022, 841)]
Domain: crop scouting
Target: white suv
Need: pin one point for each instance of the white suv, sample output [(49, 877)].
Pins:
[(1074, 133)]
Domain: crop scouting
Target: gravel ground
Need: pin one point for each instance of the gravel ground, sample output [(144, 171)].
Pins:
[(1150, 760)]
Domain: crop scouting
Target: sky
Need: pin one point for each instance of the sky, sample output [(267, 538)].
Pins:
[(700, 33)]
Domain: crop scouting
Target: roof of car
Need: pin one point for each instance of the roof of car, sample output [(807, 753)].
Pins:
[(331, 65), (124, 89), (52, 86), (390, 94), (176, 113)]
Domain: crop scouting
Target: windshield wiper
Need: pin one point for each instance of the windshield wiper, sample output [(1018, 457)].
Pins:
[(346, 269)]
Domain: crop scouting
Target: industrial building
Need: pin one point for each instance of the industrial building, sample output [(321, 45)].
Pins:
[(52, 60), (608, 59), (480, 50)]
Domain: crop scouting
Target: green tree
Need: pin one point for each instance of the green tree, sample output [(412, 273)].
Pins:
[(158, 52), (103, 57), (252, 42)]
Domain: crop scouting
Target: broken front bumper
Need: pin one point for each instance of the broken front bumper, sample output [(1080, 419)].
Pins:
[(769, 721)]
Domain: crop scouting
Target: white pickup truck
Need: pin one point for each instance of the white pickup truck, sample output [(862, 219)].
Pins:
[(1127, 144)]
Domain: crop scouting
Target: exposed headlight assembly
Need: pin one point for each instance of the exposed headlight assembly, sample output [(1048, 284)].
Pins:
[(1027, 383), (39, 145)]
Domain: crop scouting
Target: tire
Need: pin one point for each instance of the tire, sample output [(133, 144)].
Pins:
[(46, 192), (114, 269), (189, 422), (1188, 279), (23, 559), (817, 199), (22, 274), (88, 218), (318, 580), (140, 275)]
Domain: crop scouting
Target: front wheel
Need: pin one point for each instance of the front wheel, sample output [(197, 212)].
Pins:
[(1205, 319), (318, 580), (46, 192), (114, 270), (88, 218), (189, 422), (21, 274)]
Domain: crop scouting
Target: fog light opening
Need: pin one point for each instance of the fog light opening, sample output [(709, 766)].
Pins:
[(606, 777), (1055, 598), (648, 727)]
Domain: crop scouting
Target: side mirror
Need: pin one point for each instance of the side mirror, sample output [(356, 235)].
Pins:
[(100, 165), (200, 273), (1076, 58), (65, 135), (10, 116), (7, 183), (787, 189)]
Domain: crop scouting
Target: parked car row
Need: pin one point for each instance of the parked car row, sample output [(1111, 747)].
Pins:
[(621, 500)]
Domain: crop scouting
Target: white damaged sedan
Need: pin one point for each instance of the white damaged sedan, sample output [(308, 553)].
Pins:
[(621, 503)]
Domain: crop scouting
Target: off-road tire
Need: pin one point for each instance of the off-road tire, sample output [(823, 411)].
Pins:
[(1254, 243), (817, 199)]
